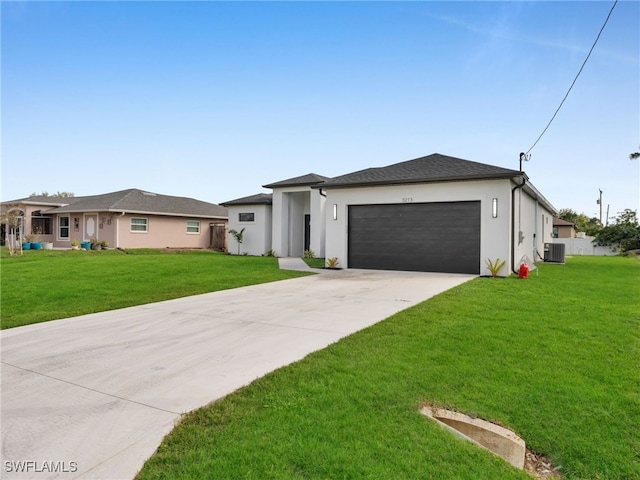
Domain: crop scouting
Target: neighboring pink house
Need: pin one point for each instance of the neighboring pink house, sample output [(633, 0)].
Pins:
[(126, 219)]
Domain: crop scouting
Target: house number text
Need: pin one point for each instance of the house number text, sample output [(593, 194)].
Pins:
[(407, 199)]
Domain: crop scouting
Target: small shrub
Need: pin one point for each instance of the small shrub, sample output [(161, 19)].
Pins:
[(309, 254), (332, 262), (495, 266), (270, 253)]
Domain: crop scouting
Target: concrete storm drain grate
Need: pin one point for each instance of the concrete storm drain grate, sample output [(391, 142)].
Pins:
[(498, 440)]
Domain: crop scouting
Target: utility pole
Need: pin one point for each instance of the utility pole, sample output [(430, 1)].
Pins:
[(634, 156), (599, 202)]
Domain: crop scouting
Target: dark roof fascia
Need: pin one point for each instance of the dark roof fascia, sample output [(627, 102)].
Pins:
[(238, 203), (258, 199), (328, 185)]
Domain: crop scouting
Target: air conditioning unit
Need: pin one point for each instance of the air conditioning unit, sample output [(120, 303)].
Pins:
[(554, 252)]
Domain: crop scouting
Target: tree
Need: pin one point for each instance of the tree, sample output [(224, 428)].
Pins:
[(590, 226), (624, 232), (55, 195), (238, 236)]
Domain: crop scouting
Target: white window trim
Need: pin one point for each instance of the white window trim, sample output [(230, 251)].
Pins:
[(59, 227), (193, 221), (146, 230)]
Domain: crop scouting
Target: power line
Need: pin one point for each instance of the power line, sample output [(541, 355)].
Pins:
[(575, 79)]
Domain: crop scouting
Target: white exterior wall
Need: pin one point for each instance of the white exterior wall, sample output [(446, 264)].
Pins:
[(280, 224), (298, 203), (318, 223), (533, 227), (524, 228), (290, 205), (256, 238), (494, 232)]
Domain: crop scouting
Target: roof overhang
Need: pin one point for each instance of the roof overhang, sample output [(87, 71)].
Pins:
[(328, 185), (136, 212), (536, 195)]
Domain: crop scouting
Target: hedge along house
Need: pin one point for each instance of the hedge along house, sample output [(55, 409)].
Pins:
[(435, 213), (126, 219)]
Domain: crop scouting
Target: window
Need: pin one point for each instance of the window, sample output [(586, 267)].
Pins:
[(246, 217), (63, 228), (139, 225), (193, 226), (41, 225)]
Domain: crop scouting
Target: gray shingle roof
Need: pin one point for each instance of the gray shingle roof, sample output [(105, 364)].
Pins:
[(432, 168), (138, 201), (301, 181), (43, 200), (257, 199)]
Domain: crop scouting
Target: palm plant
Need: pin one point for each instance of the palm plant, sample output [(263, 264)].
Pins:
[(495, 266), (238, 236)]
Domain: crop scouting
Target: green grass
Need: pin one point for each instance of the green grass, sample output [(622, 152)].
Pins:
[(50, 284), (554, 357), (315, 262)]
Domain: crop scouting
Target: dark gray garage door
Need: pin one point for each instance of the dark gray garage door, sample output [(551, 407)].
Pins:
[(426, 237)]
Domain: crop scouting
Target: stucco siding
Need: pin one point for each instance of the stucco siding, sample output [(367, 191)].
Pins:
[(290, 205), (317, 212), (494, 232), (533, 227), (256, 238), (162, 232)]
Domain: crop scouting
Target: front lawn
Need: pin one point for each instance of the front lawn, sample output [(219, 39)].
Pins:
[(554, 357), (315, 262), (46, 285)]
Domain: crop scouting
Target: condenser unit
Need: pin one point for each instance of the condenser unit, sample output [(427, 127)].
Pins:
[(554, 252)]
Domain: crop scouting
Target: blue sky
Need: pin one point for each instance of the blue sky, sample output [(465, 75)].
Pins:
[(212, 100)]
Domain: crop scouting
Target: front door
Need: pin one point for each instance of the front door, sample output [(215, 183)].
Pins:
[(307, 232), (90, 227)]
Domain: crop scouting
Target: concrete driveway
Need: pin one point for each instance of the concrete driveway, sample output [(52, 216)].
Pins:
[(93, 396)]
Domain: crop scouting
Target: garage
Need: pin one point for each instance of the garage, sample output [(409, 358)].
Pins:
[(429, 237)]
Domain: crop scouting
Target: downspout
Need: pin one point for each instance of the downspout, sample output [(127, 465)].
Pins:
[(513, 223), (322, 193)]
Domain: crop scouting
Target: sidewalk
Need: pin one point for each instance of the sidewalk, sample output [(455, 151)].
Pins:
[(296, 263)]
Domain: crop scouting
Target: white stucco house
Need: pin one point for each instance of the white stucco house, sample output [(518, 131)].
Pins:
[(435, 213)]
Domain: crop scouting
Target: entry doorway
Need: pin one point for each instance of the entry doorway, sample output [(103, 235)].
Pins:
[(307, 232), (91, 227)]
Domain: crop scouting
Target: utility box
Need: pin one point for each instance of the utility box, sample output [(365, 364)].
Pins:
[(554, 252)]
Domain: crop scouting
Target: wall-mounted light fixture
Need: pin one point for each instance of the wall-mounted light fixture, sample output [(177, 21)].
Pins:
[(494, 208), (335, 211)]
